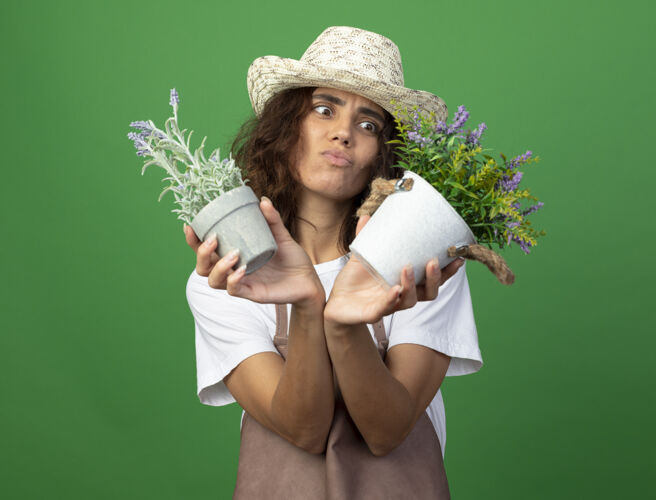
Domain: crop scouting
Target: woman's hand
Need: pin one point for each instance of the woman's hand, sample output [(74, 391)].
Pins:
[(288, 278), (357, 297)]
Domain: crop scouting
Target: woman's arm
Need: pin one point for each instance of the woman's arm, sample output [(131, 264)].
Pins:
[(295, 398), (384, 399)]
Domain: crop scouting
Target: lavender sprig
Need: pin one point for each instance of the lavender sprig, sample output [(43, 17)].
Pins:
[(520, 160), (509, 182), (459, 120), (474, 137), (174, 100), (201, 180)]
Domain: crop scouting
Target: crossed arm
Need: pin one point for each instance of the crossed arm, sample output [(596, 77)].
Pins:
[(295, 398), (384, 399)]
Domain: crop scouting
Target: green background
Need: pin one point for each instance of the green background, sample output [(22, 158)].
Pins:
[(97, 345)]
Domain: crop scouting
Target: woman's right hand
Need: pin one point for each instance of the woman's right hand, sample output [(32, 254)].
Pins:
[(288, 278)]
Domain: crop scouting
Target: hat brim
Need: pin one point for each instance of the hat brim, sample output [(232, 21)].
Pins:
[(269, 75)]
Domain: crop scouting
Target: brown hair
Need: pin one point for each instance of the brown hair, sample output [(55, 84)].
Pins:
[(263, 148)]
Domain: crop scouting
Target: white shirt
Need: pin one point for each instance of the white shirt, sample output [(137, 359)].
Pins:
[(231, 329)]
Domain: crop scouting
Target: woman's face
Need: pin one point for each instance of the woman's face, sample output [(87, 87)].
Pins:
[(338, 143)]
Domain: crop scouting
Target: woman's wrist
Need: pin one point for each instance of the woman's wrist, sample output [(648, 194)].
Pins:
[(314, 300), (311, 306), (334, 322)]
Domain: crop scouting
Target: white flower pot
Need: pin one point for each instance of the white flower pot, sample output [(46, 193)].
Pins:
[(410, 227), (236, 220)]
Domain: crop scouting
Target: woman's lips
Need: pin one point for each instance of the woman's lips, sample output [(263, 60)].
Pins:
[(337, 158)]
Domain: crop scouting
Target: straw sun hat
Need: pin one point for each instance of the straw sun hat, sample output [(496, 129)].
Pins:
[(351, 59)]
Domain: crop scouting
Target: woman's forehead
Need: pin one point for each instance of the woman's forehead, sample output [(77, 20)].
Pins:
[(346, 96)]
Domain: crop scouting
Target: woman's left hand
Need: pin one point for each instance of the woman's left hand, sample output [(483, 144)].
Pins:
[(357, 297)]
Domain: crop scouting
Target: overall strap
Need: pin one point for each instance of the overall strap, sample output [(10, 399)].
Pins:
[(379, 333), (281, 320)]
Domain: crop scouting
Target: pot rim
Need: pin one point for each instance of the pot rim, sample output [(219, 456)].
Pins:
[(205, 218)]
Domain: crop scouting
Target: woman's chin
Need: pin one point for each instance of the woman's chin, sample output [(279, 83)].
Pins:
[(341, 194)]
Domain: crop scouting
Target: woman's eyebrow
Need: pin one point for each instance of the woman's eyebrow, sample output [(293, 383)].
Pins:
[(362, 109), (329, 98)]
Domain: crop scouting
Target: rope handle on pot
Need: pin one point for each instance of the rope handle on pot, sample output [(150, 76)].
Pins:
[(484, 255), (382, 188)]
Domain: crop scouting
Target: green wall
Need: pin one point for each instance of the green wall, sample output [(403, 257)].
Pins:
[(97, 342)]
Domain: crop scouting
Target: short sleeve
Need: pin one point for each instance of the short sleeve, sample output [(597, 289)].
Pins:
[(228, 330), (445, 324)]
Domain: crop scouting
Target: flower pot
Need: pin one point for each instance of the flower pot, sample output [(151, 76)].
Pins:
[(236, 220), (410, 227)]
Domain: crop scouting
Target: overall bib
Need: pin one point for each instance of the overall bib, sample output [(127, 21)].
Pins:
[(272, 468)]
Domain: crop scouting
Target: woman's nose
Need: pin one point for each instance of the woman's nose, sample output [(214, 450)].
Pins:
[(342, 131)]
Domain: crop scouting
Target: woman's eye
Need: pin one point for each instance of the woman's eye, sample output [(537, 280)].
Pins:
[(324, 110), (370, 126)]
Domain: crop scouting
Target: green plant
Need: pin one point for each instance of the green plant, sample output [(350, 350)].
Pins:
[(200, 180), (483, 191)]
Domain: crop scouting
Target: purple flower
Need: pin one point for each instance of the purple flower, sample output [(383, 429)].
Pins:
[(475, 135), (460, 118), (417, 138), (141, 125), (532, 209), (519, 160), (509, 183), (415, 134), (146, 130), (174, 98), (138, 140), (523, 244), (142, 147)]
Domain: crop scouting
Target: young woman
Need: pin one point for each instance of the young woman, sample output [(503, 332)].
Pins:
[(318, 140)]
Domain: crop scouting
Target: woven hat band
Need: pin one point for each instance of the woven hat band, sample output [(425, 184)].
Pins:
[(358, 51)]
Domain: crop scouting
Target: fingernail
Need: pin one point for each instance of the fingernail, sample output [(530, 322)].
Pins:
[(210, 241), (233, 254), (264, 198), (409, 273), (241, 270)]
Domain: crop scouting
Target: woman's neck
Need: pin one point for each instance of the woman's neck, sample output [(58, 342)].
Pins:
[(318, 226)]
